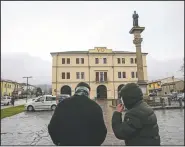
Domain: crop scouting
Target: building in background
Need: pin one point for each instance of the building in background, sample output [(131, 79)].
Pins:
[(176, 86), (106, 71), (30, 87), (156, 86), (8, 87)]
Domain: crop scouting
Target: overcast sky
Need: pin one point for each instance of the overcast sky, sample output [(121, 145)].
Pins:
[(34, 29), (39, 28)]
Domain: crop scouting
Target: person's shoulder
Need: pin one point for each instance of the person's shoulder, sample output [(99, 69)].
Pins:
[(66, 101), (95, 105)]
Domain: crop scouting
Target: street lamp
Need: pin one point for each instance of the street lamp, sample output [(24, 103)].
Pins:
[(27, 87)]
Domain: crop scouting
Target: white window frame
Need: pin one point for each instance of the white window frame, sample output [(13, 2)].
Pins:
[(103, 60), (78, 75), (120, 74), (83, 75)]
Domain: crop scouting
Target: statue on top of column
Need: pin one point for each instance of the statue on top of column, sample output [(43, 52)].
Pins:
[(135, 17)]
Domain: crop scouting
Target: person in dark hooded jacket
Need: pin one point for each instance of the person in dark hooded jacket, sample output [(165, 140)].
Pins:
[(78, 120), (139, 127)]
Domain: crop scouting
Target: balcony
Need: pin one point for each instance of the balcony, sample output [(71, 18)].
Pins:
[(101, 81)]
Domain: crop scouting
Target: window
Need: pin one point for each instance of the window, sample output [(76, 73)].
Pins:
[(96, 60), (101, 77), (124, 74), (82, 75), (40, 99), (5, 85), (123, 60), (104, 60), (131, 60), (68, 75), (136, 74), (105, 76), (63, 60), (97, 76), (82, 60), (119, 74), (49, 98), (135, 60), (63, 75), (68, 60), (77, 60), (118, 59), (77, 75), (132, 75)]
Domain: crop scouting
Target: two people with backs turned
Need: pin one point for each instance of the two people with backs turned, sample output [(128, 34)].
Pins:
[(78, 121)]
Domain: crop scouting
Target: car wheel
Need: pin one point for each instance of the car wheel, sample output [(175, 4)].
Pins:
[(30, 108), (53, 107)]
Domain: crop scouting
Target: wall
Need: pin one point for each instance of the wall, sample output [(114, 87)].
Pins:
[(112, 67)]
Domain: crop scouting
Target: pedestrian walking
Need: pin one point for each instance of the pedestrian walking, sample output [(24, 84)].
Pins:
[(139, 127), (12, 100), (78, 120)]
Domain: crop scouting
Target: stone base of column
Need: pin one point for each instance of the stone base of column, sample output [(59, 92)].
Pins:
[(143, 86)]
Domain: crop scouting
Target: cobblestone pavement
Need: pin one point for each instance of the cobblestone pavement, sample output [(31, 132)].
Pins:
[(30, 128)]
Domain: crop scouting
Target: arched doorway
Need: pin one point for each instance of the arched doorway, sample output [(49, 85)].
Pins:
[(65, 90), (101, 92), (119, 88)]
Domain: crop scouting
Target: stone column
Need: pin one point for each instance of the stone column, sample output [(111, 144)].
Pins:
[(136, 31)]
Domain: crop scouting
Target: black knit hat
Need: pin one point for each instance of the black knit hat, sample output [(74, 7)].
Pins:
[(131, 94), (83, 84)]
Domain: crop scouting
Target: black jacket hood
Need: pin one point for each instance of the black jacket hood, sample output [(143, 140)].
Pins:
[(131, 95)]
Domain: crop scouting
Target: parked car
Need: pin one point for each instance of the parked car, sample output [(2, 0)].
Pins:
[(62, 97), (180, 95), (6, 100), (153, 94), (45, 102)]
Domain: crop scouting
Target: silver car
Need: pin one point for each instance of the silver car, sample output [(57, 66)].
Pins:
[(5, 100)]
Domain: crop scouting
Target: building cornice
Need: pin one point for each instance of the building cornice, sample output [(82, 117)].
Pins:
[(83, 66)]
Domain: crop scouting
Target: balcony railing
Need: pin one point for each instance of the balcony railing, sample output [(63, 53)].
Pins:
[(101, 81)]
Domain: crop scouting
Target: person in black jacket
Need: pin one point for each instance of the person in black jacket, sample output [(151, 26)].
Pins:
[(78, 120), (139, 127)]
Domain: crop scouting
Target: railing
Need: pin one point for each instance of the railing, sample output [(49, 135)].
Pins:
[(101, 81)]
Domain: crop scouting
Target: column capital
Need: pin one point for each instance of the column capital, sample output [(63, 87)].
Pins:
[(137, 41)]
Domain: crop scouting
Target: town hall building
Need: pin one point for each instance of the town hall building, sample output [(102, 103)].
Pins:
[(105, 70)]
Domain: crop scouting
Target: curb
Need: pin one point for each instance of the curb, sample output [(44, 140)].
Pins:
[(159, 108)]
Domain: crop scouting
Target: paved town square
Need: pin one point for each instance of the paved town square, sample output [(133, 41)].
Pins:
[(30, 128)]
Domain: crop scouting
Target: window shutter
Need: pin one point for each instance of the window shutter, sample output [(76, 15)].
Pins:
[(97, 76), (105, 76)]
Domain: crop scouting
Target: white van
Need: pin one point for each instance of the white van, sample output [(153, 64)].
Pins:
[(45, 102)]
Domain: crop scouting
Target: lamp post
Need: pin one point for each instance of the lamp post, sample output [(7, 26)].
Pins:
[(27, 87)]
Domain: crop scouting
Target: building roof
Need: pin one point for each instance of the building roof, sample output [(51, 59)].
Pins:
[(159, 80), (87, 52), (9, 81)]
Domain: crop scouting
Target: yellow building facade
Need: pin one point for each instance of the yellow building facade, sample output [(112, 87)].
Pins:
[(106, 71), (8, 86)]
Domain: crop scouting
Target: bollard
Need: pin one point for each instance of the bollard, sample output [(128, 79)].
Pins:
[(169, 101), (162, 101), (180, 102)]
